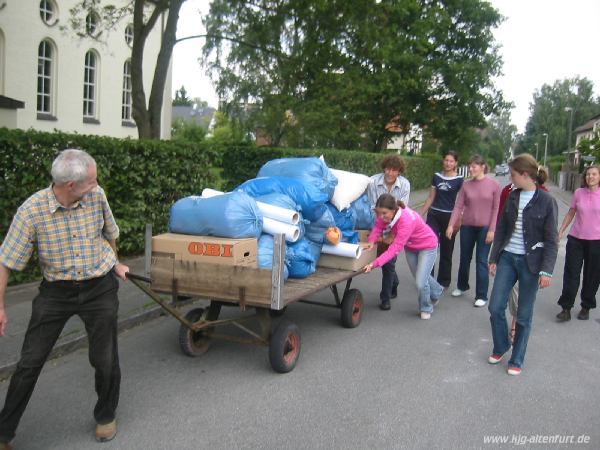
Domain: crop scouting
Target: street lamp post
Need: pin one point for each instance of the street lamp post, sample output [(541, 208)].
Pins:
[(545, 149), (536, 151)]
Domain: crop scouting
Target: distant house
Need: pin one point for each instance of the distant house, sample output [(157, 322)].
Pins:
[(410, 139), (587, 130), (51, 79), (200, 115)]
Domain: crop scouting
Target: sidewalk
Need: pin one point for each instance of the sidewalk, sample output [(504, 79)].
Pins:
[(135, 307)]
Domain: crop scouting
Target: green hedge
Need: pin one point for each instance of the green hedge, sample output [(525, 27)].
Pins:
[(142, 179), (242, 162)]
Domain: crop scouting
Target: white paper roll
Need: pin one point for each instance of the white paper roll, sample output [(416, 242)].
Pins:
[(343, 249), (291, 232), (273, 212), (278, 213)]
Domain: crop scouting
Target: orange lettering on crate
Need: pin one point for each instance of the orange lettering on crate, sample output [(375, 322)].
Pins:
[(212, 249), (195, 248), (226, 250)]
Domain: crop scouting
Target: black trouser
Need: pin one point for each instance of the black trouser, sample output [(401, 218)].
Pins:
[(389, 280), (586, 253), (95, 302), (438, 222)]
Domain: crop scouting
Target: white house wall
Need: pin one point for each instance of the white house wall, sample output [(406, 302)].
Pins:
[(23, 30)]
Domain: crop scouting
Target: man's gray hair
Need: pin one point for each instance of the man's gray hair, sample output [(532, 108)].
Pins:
[(71, 165)]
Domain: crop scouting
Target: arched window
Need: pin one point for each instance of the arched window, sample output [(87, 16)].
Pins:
[(90, 85), (48, 12), (91, 23), (126, 97), (129, 34), (45, 81)]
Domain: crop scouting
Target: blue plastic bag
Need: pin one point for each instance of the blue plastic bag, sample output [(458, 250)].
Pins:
[(265, 254), (232, 215), (345, 219), (309, 199), (311, 170), (349, 236), (363, 213), (315, 230), (302, 257)]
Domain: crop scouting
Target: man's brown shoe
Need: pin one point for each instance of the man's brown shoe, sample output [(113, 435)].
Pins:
[(5, 446), (107, 432), (564, 315), (584, 314)]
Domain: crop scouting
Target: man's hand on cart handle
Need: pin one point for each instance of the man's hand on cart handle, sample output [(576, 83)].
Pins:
[(121, 271)]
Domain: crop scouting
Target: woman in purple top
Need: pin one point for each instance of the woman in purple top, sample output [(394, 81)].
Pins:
[(583, 247), (477, 204), (413, 234)]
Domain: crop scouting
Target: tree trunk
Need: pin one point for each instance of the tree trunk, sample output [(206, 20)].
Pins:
[(163, 61), (138, 95)]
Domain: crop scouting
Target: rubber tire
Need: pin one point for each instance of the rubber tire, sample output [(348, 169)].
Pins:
[(352, 308), (284, 347), (193, 343)]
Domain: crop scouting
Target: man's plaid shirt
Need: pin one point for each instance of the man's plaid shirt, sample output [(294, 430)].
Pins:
[(72, 243)]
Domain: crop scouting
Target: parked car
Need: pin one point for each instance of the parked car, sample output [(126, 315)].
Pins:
[(501, 169)]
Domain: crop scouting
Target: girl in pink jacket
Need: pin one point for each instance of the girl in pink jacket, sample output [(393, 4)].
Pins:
[(413, 234)]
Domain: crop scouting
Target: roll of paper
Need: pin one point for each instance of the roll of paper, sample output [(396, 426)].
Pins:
[(291, 232), (278, 213), (273, 212), (343, 249)]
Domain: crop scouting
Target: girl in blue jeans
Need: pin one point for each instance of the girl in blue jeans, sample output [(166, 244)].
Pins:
[(524, 250)]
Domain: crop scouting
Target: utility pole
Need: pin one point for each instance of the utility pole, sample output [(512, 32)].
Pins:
[(545, 149)]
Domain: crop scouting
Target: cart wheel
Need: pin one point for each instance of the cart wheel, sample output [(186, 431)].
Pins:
[(284, 347), (277, 312), (193, 343), (352, 307)]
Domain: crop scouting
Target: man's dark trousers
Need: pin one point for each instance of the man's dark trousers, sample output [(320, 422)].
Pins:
[(95, 301)]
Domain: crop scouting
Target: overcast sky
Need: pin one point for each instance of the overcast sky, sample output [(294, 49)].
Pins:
[(542, 41)]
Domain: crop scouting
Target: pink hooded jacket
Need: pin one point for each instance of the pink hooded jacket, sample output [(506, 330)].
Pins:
[(409, 230)]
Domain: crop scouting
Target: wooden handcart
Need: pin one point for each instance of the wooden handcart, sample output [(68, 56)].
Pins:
[(246, 287)]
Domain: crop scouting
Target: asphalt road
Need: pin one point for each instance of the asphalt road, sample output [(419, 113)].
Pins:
[(394, 382)]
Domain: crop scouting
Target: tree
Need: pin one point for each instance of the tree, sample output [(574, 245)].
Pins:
[(334, 73), (548, 114), (146, 15), (181, 98), (499, 137)]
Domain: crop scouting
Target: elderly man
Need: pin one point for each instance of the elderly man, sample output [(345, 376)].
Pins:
[(392, 182), (73, 228)]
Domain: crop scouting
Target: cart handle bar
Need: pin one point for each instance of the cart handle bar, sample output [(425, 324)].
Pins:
[(134, 276)]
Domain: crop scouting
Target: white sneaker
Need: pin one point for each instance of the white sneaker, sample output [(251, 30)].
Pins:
[(457, 293), (425, 315), (480, 302)]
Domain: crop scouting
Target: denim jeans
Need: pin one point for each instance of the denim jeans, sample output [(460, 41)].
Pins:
[(428, 289), (389, 280), (96, 302), (510, 269), (469, 236)]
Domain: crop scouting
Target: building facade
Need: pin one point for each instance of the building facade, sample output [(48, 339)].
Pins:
[(52, 79)]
